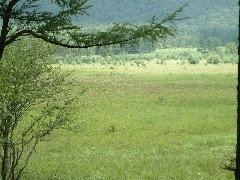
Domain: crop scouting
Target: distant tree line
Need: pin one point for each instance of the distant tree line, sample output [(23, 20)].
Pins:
[(205, 39)]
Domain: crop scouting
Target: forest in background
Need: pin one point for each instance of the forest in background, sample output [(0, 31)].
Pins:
[(210, 24), (209, 18), (211, 27)]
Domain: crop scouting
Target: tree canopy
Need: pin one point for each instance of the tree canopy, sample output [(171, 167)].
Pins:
[(27, 18)]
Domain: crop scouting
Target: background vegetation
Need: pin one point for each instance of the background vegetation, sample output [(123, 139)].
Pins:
[(216, 18), (210, 28)]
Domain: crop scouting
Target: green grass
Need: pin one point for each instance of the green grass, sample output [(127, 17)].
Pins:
[(154, 122)]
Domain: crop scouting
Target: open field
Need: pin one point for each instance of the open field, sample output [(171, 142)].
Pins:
[(155, 122)]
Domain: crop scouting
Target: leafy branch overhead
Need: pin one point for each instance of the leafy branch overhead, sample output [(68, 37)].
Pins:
[(24, 18)]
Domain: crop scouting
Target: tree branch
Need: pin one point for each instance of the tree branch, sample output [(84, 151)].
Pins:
[(58, 43), (27, 159)]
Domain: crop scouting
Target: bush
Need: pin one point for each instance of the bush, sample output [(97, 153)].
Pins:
[(103, 62), (227, 59), (214, 59), (233, 59), (33, 102), (193, 59)]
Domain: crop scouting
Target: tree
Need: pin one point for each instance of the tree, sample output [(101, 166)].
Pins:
[(231, 48), (28, 84), (26, 18), (210, 43), (33, 103)]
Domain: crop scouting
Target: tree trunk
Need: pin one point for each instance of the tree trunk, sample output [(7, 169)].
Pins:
[(1, 50), (5, 27), (5, 145), (2, 41), (5, 159)]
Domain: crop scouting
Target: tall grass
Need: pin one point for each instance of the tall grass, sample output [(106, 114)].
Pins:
[(156, 122)]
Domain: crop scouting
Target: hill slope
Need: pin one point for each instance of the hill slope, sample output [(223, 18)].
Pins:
[(198, 11), (208, 18)]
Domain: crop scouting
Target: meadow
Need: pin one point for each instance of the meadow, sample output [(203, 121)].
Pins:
[(160, 121)]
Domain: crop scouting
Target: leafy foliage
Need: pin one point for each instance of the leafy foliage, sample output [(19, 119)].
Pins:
[(31, 104), (214, 59), (193, 59), (56, 27)]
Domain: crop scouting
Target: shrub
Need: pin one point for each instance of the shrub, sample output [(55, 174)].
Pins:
[(233, 59), (33, 102), (227, 59), (193, 59), (214, 59), (183, 62), (103, 62)]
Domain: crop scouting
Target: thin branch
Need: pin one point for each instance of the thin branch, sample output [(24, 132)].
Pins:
[(58, 43), (27, 159)]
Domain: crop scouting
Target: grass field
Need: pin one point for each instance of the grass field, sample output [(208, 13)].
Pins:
[(155, 122)]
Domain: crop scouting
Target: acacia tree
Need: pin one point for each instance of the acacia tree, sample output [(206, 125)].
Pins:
[(21, 18)]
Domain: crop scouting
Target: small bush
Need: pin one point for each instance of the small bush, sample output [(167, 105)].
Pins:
[(227, 59), (214, 59), (233, 59), (103, 62), (193, 59)]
